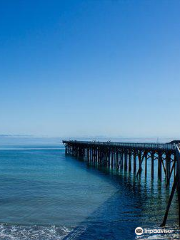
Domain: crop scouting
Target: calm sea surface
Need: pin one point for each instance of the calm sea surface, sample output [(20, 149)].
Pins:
[(47, 195)]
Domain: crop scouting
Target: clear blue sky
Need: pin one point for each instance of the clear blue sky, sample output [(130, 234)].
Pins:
[(90, 67)]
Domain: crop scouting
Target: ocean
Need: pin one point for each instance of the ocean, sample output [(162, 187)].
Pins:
[(46, 195)]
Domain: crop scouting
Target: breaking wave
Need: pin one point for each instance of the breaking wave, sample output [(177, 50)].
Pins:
[(17, 232)]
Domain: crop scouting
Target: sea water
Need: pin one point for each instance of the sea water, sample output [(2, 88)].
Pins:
[(45, 194)]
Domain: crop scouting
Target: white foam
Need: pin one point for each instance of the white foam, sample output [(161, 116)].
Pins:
[(16, 232)]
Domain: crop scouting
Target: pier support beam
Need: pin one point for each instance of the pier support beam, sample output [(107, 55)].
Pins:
[(125, 161), (145, 164), (160, 166), (152, 165), (169, 202), (130, 161), (168, 168), (135, 161)]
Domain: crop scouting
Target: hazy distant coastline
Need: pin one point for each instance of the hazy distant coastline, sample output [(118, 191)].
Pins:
[(12, 140)]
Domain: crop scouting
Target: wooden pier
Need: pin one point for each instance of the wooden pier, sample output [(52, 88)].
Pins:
[(133, 157)]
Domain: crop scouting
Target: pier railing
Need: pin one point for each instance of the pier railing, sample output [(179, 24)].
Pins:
[(160, 146)]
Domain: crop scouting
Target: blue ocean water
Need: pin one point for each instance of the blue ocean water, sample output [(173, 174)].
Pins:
[(47, 195)]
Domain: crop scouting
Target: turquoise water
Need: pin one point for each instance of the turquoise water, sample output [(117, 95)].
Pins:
[(47, 195)]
